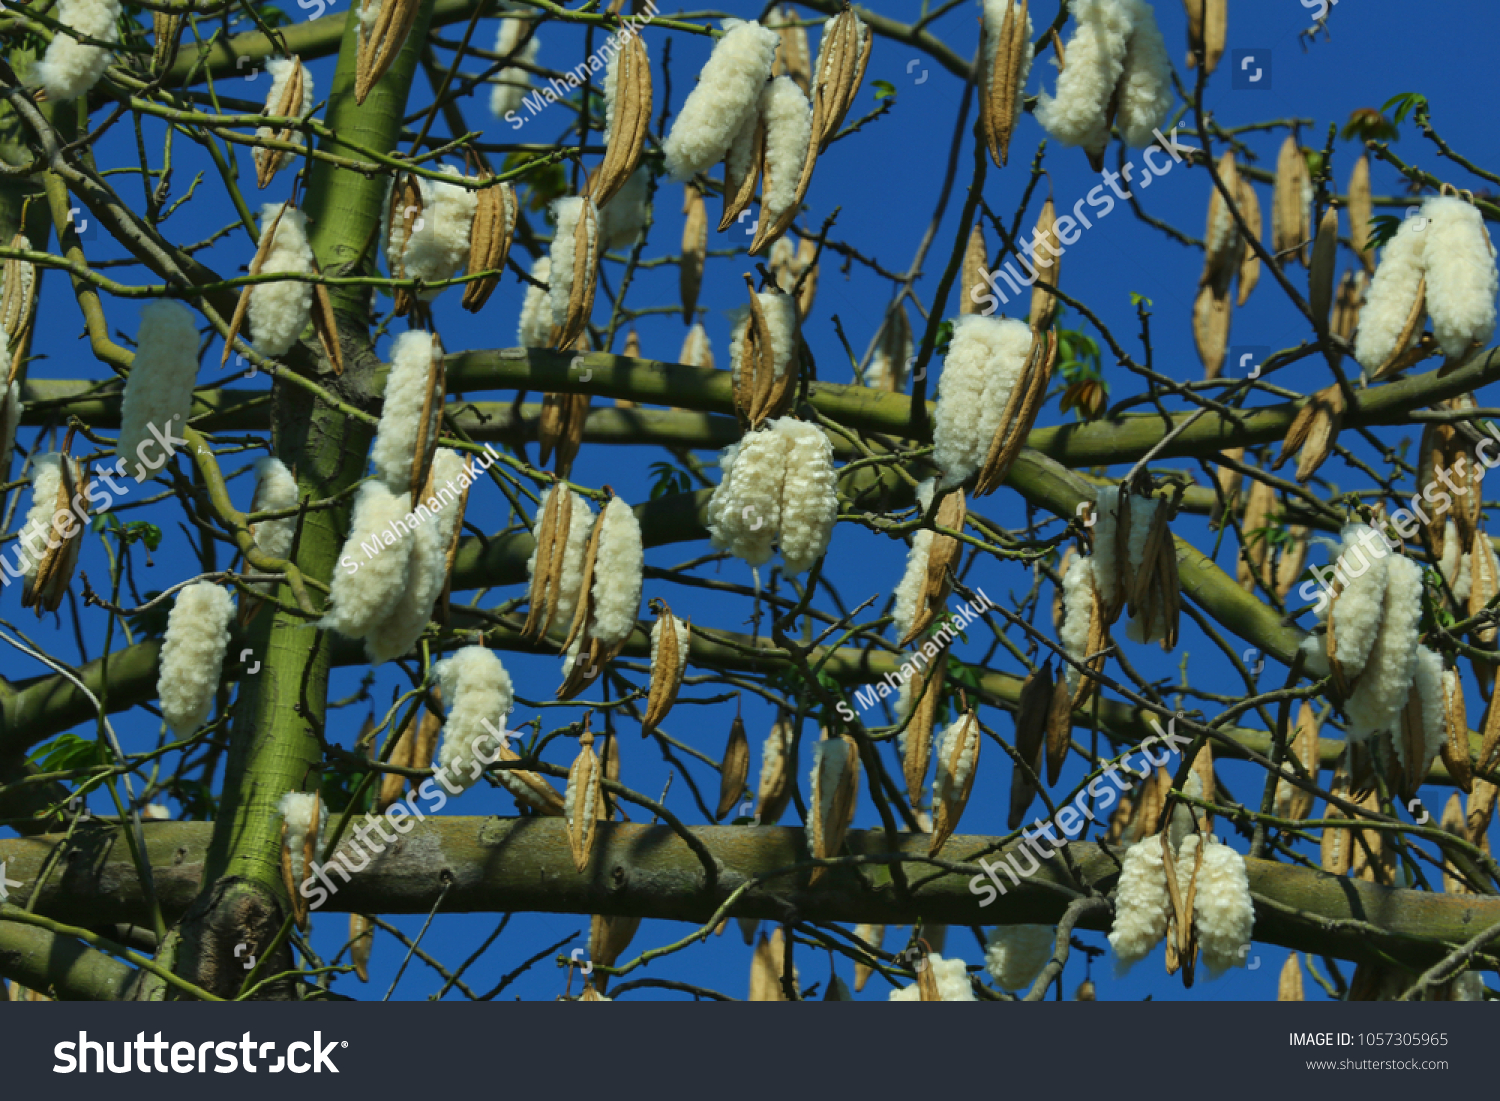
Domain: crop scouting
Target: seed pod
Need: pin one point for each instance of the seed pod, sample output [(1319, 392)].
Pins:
[(583, 802), (586, 246), (759, 394), (1249, 204), (893, 352), (1291, 206), (382, 33), (1443, 448), (765, 969), (1211, 317), (1259, 505), (1481, 808), (694, 250), (835, 790), (958, 761), (1224, 244), (1291, 801), (1454, 822), (561, 428), (430, 423), (1409, 349), (734, 770), (1289, 988), (551, 549), (793, 57), (1033, 709), (589, 655), (393, 783), (1230, 480), (1320, 272), (873, 935), (942, 558), (1370, 854), (1347, 304), (494, 228), (1044, 302), (1485, 571), (44, 589), (1455, 749), (609, 936), (670, 641), (299, 903), (976, 258), (917, 751), (1313, 433), (1336, 856), (1291, 560), (268, 162), (167, 27), (807, 272), (775, 788), (529, 788), (1002, 85), (242, 306), (1120, 831), (843, 54), (1021, 409), (17, 310), (631, 119), (361, 938), (1208, 22), (1361, 211), (1154, 598), (1151, 807)]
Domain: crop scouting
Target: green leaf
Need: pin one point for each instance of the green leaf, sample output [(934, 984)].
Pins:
[(669, 479), (944, 337), (1405, 103), (69, 751), (1138, 299), (884, 89), (1382, 228)]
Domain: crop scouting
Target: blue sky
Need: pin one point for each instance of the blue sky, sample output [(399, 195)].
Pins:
[(884, 182)]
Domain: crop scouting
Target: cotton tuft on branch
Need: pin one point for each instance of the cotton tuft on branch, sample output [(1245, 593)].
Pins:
[(512, 82), (70, 68), (728, 90), (192, 655), (985, 360), (279, 312), (1014, 955), (477, 691), (378, 552)]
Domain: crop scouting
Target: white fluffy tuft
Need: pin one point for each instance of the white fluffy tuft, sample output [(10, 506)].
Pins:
[(478, 694), (70, 68), (985, 360), (1461, 276), (1391, 296), (280, 311), (192, 655), (536, 309), (788, 120), (395, 445), (809, 494), (728, 89), (360, 600), (1141, 904), (1095, 62), (511, 82), (1014, 955)]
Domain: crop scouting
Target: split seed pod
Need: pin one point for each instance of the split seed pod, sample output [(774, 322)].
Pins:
[(361, 938), (793, 57), (1291, 801), (586, 246), (843, 54), (551, 551), (1021, 409), (694, 250), (942, 559), (976, 257), (529, 788), (323, 322), (1313, 433), (775, 777), (1347, 304), (1361, 210), (1044, 302), (835, 789), (167, 27), (17, 308), (957, 765), (1208, 22), (1320, 272), (583, 802), (1455, 750), (667, 668), (1335, 855), (741, 174), (1485, 571), (1036, 714), (301, 908), (45, 589), (1001, 85), (268, 162), (1444, 448), (734, 770), (1260, 504), (561, 429), (380, 40), (758, 394), (1154, 592), (632, 119), (1293, 557), (494, 228), (1291, 206), (918, 749), (1249, 204), (765, 969), (430, 424), (592, 655), (1454, 822)]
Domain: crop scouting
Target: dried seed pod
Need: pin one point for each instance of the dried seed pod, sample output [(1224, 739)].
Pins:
[(1347, 304), (1153, 599), (1313, 433), (793, 57), (1290, 561), (765, 969), (393, 783), (1444, 449), (1119, 831), (786, 162), (1249, 274), (17, 310), (1208, 23), (529, 788), (873, 935), (1370, 854), (1361, 211), (696, 349), (1211, 316), (494, 229), (582, 802), (976, 259), (893, 352), (670, 640), (958, 761), (1021, 409), (1260, 504), (759, 392), (609, 936), (1481, 809), (629, 119), (383, 27), (1151, 807), (1041, 710), (1483, 588), (1336, 856), (1044, 302), (289, 104), (1455, 749), (1229, 480), (916, 750), (1291, 801), (69, 520), (1454, 822), (301, 909), (551, 549), (830, 804), (1291, 206), (1289, 987), (570, 320), (694, 250), (1224, 248), (734, 769), (561, 429), (775, 786), (1002, 84), (167, 28), (943, 556), (361, 939), (807, 272), (1320, 271), (843, 54)]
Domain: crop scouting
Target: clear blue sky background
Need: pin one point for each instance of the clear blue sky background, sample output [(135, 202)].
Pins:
[(884, 181)]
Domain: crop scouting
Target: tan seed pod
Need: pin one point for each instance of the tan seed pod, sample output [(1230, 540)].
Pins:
[(954, 782), (379, 43), (894, 350), (873, 935), (268, 162), (759, 395), (696, 349), (1120, 830), (976, 259), (361, 939), (734, 770), (586, 247), (592, 655), (1291, 801), (561, 427), (775, 778), (529, 788), (1347, 304), (1480, 810), (918, 749), (1489, 741), (830, 804), (325, 325), (1291, 206), (1000, 86), (1203, 765), (393, 783), (1370, 856), (1292, 558), (167, 29), (739, 186), (1033, 736), (301, 908), (17, 306), (1260, 505), (667, 668), (1454, 822), (942, 559), (1336, 856), (1152, 592), (1230, 481), (428, 731), (1485, 571), (1151, 806), (793, 56), (242, 305), (1224, 247), (694, 250), (1033, 709), (45, 589), (1444, 449), (546, 577), (1320, 273), (609, 936), (430, 423), (1361, 211), (807, 272), (1410, 348), (1313, 432), (1044, 302), (1455, 749), (1289, 988), (765, 969), (843, 54), (632, 120), (494, 229), (1211, 316), (583, 802), (1021, 409), (1208, 23), (1249, 274)]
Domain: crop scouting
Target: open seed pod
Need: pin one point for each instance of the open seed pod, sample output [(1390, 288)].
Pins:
[(739, 181), (1249, 274), (560, 429), (894, 350), (667, 666), (430, 424), (529, 788), (361, 939), (1043, 301), (1445, 448), (1021, 410), (301, 908), (843, 54), (1455, 751), (583, 801), (17, 306), (942, 559), (324, 325), (694, 250), (971, 275), (45, 589), (1208, 23), (586, 247), (494, 229), (734, 769), (592, 655), (1347, 304), (1000, 86), (1154, 591), (551, 548), (958, 761), (830, 804), (917, 753), (775, 775), (1336, 855), (1291, 206), (1314, 431), (380, 40), (632, 120), (1485, 584), (793, 57), (758, 394), (873, 935), (268, 162), (609, 936), (1291, 801), (765, 969)]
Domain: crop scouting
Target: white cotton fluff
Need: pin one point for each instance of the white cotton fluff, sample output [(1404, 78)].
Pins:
[(1428, 680), (1454, 564), (959, 776), (744, 512), (395, 444), (985, 361), (536, 309), (739, 158), (624, 216), (438, 244), (1392, 294), (994, 22), (477, 692), (1095, 61), (1461, 276), (1183, 822), (10, 413), (159, 390), (780, 312), (46, 480), (1106, 509), (788, 120), (565, 214), (1141, 904), (280, 311), (1078, 613), (773, 754), (275, 489), (1469, 987), (281, 69), (684, 641), (70, 68), (728, 89), (397, 632), (832, 758), (696, 349), (618, 565), (360, 600), (511, 82), (192, 654), (1357, 612), (913, 581), (580, 522), (1222, 910), (297, 809), (1376, 702), (809, 494), (1014, 955), (1146, 84), (952, 983), (571, 794)]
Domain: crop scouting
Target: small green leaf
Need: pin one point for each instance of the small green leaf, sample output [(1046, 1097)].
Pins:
[(883, 89), (1138, 299)]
